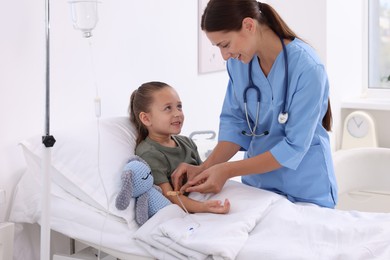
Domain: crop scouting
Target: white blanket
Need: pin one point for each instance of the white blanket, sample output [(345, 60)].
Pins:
[(278, 229), (171, 233), (291, 231)]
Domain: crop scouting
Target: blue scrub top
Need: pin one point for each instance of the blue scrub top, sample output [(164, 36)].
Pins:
[(301, 145)]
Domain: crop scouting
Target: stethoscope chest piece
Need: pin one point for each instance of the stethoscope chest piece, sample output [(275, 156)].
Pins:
[(282, 118)]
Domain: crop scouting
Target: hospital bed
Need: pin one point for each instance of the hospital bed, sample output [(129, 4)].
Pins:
[(260, 225)]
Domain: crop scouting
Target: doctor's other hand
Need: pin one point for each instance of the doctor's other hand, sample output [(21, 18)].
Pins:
[(210, 180), (184, 173)]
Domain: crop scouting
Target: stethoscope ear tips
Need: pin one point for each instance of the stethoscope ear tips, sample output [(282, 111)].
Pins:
[(282, 118)]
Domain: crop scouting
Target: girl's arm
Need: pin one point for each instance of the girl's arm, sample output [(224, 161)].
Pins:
[(193, 206)]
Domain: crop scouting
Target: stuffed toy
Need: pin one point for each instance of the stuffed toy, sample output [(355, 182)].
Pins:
[(137, 183)]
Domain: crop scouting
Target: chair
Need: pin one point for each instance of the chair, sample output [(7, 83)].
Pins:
[(363, 177)]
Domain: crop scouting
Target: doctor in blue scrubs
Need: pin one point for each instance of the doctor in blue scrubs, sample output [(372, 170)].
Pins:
[(276, 108)]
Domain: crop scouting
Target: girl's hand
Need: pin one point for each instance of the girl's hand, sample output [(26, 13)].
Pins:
[(216, 206)]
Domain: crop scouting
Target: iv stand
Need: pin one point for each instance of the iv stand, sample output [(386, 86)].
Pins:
[(48, 141)]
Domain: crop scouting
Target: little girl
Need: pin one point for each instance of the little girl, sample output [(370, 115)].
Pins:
[(156, 110)]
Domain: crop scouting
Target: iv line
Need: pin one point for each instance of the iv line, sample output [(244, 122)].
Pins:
[(97, 99), (185, 209), (97, 103)]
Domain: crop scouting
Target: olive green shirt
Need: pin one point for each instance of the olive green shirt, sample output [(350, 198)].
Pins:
[(164, 160)]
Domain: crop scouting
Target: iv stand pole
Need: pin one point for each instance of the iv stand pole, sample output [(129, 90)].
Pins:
[(48, 141)]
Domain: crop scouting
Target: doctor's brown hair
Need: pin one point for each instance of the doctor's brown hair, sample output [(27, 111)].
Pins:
[(140, 101), (227, 15)]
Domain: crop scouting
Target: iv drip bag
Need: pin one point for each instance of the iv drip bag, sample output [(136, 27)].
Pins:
[(84, 15)]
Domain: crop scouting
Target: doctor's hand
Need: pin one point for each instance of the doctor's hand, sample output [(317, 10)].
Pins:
[(210, 180), (183, 173)]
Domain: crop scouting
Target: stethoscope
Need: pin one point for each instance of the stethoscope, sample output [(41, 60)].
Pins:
[(283, 115)]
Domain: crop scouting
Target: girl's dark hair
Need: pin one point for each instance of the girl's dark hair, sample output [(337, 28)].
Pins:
[(227, 15), (140, 101)]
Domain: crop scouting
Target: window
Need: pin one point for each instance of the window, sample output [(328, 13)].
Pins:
[(379, 44)]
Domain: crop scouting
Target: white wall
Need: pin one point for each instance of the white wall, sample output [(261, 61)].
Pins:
[(20, 84), (307, 19), (345, 36), (134, 42)]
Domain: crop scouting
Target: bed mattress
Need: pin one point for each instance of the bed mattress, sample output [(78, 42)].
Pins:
[(281, 230)]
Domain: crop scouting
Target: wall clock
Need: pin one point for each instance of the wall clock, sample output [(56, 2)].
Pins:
[(358, 125)]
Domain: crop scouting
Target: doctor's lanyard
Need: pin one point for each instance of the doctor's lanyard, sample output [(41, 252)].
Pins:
[(283, 115)]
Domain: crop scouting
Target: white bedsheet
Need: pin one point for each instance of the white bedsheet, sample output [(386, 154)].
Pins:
[(272, 227), (172, 233), (290, 231), (73, 218), (276, 228)]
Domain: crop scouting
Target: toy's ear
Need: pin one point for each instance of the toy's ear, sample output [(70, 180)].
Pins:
[(125, 194), (142, 209)]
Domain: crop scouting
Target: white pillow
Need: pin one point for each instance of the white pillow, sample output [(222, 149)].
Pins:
[(86, 158)]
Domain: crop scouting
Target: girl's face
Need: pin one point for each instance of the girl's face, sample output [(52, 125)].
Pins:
[(166, 116), (235, 44)]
